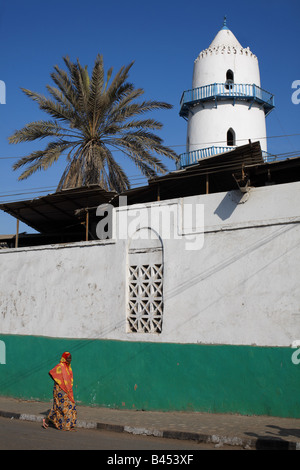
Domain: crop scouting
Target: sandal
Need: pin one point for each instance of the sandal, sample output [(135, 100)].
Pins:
[(45, 425)]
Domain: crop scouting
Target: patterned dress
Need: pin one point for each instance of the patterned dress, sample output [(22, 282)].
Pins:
[(63, 414)]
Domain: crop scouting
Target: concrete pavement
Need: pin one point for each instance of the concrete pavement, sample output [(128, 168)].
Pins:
[(258, 432)]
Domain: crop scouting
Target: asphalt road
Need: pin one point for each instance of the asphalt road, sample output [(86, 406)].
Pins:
[(26, 435)]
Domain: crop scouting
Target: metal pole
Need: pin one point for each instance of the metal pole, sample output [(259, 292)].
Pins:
[(87, 226), (17, 235)]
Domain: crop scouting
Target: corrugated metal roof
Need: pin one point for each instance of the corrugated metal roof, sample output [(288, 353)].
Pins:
[(56, 212)]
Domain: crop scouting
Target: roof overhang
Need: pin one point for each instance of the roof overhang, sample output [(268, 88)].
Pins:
[(58, 211)]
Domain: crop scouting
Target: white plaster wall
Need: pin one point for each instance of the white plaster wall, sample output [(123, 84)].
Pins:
[(62, 291), (243, 290), (233, 281), (208, 125), (212, 68)]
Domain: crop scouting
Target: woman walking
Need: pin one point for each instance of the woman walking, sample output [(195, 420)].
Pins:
[(63, 414)]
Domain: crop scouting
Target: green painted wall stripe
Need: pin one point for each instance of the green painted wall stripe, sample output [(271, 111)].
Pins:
[(157, 376)]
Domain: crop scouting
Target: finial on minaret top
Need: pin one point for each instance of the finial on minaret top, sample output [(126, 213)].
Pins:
[(225, 22)]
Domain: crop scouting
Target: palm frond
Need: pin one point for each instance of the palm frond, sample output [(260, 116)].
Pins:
[(90, 116), (117, 178), (41, 159), (36, 130)]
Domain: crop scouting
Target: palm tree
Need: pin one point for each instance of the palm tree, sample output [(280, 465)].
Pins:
[(91, 118)]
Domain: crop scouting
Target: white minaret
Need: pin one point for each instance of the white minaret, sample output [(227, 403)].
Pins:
[(226, 105)]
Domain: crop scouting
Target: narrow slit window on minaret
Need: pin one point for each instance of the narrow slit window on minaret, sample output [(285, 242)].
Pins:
[(230, 137), (229, 79)]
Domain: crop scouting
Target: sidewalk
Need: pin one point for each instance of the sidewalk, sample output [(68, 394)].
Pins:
[(258, 432)]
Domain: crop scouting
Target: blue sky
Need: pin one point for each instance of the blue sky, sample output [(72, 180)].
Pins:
[(163, 38)]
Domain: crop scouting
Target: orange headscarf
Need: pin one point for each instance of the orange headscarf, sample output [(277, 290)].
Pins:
[(62, 374)]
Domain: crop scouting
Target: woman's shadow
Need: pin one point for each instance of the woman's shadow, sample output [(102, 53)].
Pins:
[(277, 439)]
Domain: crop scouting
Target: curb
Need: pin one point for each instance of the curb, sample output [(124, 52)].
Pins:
[(219, 441)]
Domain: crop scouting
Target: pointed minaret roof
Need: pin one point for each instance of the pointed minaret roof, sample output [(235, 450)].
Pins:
[(225, 38), (225, 42)]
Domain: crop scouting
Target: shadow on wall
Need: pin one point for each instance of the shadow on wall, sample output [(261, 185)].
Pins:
[(229, 203)]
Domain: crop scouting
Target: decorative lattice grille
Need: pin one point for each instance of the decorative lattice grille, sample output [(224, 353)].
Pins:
[(145, 303)]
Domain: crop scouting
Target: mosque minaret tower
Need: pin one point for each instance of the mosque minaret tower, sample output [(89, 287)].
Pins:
[(226, 106)]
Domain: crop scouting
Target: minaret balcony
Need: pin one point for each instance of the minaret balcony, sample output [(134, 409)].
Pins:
[(193, 157), (190, 158), (226, 91)]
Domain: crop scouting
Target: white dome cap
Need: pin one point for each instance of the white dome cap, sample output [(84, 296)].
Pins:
[(225, 38), (225, 42)]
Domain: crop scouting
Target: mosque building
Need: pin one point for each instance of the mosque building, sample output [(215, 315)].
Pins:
[(196, 307), (226, 106)]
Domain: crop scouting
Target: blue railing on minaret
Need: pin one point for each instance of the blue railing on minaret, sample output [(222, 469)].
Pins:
[(193, 157), (190, 158), (225, 91)]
